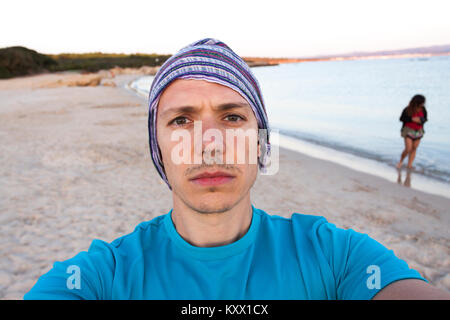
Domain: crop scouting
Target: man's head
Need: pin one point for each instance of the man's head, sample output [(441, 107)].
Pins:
[(207, 96), (218, 112)]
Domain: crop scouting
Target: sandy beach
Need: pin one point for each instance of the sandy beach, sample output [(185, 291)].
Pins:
[(76, 167)]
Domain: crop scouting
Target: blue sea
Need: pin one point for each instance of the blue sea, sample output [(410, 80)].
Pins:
[(348, 112)]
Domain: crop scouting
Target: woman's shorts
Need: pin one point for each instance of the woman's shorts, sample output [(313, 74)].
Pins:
[(411, 133)]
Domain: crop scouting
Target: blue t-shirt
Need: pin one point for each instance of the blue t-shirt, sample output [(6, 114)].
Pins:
[(303, 257)]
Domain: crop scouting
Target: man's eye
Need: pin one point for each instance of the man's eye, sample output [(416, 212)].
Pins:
[(234, 117), (179, 121)]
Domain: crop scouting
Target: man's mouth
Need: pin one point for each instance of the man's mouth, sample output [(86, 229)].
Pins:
[(212, 178)]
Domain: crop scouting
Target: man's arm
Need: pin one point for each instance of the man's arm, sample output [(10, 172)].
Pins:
[(86, 276), (411, 289)]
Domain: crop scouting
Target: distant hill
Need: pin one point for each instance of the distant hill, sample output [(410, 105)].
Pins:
[(434, 50), (20, 61)]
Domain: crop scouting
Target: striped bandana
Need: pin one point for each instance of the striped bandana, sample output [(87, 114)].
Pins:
[(210, 60)]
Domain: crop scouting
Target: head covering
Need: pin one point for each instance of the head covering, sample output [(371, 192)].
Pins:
[(210, 60)]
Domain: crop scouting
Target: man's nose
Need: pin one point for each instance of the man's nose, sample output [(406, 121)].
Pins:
[(209, 122), (211, 128), (212, 137)]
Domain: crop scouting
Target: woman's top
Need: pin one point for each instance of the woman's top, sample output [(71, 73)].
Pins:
[(407, 120)]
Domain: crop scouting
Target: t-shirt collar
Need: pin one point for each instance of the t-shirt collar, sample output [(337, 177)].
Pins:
[(213, 253)]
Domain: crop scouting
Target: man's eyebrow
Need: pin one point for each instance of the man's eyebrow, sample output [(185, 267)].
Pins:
[(191, 109)]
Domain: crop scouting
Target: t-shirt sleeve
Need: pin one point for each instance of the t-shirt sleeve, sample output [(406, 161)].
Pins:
[(361, 266), (86, 276)]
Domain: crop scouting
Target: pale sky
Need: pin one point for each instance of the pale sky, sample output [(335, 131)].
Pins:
[(277, 28)]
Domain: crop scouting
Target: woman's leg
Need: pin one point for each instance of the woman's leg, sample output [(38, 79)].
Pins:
[(412, 155), (408, 149)]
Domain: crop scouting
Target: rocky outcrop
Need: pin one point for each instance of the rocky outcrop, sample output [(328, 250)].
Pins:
[(109, 84), (144, 70), (75, 80), (101, 77)]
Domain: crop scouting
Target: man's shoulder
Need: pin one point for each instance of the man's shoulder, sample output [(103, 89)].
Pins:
[(99, 265), (133, 244), (299, 223), (141, 233), (310, 228), (301, 219)]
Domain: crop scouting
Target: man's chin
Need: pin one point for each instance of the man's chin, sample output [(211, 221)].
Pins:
[(213, 202)]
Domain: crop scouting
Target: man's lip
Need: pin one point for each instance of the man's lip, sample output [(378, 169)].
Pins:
[(212, 175)]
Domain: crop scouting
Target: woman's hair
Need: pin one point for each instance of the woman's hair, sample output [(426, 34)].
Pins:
[(415, 104)]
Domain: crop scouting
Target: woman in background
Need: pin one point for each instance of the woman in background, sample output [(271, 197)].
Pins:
[(413, 117)]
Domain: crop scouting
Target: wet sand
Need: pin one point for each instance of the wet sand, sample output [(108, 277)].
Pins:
[(76, 166)]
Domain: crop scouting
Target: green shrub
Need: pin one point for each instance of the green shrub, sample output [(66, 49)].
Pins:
[(19, 61)]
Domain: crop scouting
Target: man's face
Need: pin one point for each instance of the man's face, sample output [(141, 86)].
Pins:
[(220, 111)]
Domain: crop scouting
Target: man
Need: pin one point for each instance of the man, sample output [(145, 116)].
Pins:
[(213, 243)]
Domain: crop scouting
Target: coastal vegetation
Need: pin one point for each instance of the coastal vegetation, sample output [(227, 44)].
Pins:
[(21, 61)]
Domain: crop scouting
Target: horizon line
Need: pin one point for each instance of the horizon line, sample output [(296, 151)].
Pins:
[(348, 54)]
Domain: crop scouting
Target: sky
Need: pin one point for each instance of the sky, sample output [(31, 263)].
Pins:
[(277, 28)]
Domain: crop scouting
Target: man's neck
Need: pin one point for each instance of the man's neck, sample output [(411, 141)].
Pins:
[(212, 229)]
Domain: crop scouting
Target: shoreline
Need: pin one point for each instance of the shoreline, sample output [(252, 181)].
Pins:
[(409, 178), (76, 167)]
